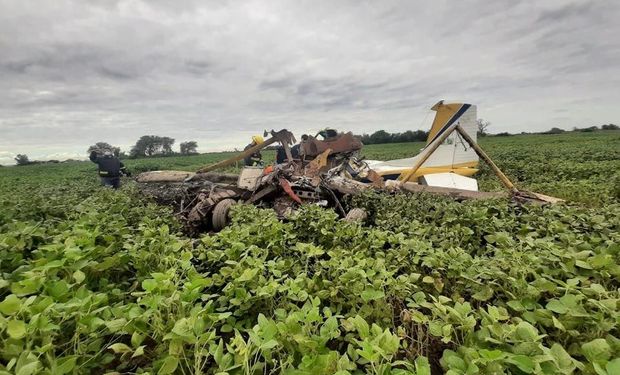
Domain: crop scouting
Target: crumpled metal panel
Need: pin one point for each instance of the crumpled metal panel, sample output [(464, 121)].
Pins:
[(343, 142)]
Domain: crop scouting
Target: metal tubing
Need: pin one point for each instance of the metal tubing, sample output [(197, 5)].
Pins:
[(428, 152), (502, 177)]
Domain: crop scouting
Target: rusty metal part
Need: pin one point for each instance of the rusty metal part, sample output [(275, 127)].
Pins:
[(288, 190), (317, 165), (342, 143), (307, 194), (269, 189), (375, 178)]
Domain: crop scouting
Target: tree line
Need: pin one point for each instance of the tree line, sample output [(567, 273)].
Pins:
[(153, 145), (147, 146), (382, 136)]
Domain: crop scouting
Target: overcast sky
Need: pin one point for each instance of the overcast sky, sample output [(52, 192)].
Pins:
[(74, 72)]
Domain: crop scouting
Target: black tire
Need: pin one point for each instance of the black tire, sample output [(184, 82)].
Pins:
[(356, 214), (221, 214)]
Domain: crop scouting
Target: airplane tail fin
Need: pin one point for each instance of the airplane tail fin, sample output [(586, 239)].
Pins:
[(454, 151)]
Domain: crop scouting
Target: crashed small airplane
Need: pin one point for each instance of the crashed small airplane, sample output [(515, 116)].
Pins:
[(327, 170)]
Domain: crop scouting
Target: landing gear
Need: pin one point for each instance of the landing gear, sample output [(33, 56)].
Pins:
[(221, 214)]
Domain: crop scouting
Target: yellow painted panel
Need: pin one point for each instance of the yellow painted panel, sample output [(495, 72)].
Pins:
[(464, 169), (444, 113)]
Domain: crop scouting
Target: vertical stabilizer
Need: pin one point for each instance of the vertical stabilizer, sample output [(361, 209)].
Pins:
[(454, 151)]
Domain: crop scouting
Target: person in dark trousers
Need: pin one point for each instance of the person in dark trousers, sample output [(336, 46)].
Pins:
[(256, 158), (281, 153), (110, 168)]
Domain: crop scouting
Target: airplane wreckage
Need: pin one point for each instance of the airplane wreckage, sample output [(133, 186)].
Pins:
[(326, 170)]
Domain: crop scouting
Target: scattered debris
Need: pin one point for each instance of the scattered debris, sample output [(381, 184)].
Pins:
[(324, 172)]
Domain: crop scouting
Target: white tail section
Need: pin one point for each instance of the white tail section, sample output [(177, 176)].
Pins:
[(454, 151)]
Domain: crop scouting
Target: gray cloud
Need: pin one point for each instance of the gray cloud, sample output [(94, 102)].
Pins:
[(74, 72)]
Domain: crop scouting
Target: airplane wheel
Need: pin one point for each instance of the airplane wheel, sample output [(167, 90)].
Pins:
[(221, 214), (356, 214)]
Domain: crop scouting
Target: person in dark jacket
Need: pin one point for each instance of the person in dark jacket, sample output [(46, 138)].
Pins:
[(110, 168), (281, 153)]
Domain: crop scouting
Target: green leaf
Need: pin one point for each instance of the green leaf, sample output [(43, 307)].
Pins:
[(65, 365), (58, 289), (10, 305), (491, 355), (116, 325), (170, 364), (596, 350), (149, 285), (484, 294), (268, 327), (218, 353), (79, 276), (139, 351), (422, 367), (372, 294), (524, 363), (16, 329), (613, 367), (270, 344), (136, 339), (329, 329), (248, 274), (28, 368), (599, 369), (582, 264), (556, 306), (450, 360), (563, 360), (119, 347), (527, 332), (361, 326)]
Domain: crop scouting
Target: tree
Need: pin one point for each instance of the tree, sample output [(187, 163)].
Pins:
[(483, 125), (22, 159), (381, 136), (101, 147), (150, 145), (166, 145), (188, 147), (588, 129), (555, 130), (610, 127)]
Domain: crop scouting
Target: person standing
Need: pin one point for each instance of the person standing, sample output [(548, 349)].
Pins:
[(256, 158), (110, 168)]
